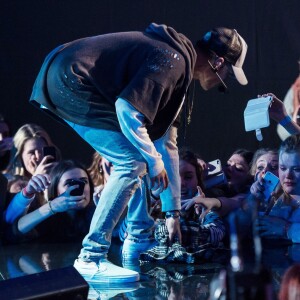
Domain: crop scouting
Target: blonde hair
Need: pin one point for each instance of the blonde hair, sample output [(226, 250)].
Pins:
[(25, 133), (258, 154)]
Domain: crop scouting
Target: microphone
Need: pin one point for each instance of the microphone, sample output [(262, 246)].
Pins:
[(223, 87), (214, 69)]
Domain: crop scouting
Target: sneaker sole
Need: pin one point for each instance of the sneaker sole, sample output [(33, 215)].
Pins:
[(103, 277), (119, 287), (111, 280), (107, 279)]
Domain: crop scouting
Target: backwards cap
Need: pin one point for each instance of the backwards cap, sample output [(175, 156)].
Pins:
[(227, 43)]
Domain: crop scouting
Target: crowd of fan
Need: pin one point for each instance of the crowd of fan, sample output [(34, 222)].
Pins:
[(40, 198)]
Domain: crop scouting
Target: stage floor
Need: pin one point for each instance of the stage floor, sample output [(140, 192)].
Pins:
[(158, 281)]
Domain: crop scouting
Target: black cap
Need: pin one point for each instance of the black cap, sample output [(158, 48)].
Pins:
[(227, 43)]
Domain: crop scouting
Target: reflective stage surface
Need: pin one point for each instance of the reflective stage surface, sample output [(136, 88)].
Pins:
[(158, 281)]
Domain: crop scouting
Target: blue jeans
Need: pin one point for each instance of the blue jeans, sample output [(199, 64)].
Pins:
[(124, 188)]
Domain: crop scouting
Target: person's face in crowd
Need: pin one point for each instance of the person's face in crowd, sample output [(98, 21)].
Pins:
[(267, 162), (189, 180), (289, 172), (237, 170), (33, 153), (78, 174)]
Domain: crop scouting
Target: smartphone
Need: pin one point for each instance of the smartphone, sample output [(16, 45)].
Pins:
[(218, 179), (270, 183), (50, 150), (214, 167), (79, 190)]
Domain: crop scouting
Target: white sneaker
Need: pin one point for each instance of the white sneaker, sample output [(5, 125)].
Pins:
[(105, 272), (132, 249)]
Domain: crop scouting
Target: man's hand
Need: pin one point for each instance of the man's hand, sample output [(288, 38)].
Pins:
[(173, 225), (159, 182)]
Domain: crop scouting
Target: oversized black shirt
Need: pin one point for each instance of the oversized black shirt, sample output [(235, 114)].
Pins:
[(81, 81)]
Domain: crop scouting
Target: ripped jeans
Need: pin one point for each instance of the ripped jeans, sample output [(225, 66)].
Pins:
[(124, 188)]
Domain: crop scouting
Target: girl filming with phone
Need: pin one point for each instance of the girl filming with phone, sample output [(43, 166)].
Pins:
[(283, 220), (29, 142), (229, 195), (67, 214)]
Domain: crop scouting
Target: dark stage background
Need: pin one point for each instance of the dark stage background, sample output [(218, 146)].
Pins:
[(30, 29)]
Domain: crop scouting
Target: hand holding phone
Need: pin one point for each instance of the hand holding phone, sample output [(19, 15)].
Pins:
[(79, 190), (214, 167), (50, 150), (215, 175), (270, 183)]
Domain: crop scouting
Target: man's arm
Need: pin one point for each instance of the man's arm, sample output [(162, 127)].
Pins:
[(132, 124)]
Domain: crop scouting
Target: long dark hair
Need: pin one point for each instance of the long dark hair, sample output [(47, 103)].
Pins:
[(192, 158), (246, 154), (58, 171)]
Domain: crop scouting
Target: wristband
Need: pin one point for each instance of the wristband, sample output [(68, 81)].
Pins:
[(286, 120), (173, 214), (26, 194), (51, 209)]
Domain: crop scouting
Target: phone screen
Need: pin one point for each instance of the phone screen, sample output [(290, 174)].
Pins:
[(50, 150), (214, 167), (270, 183), (79, 190)]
